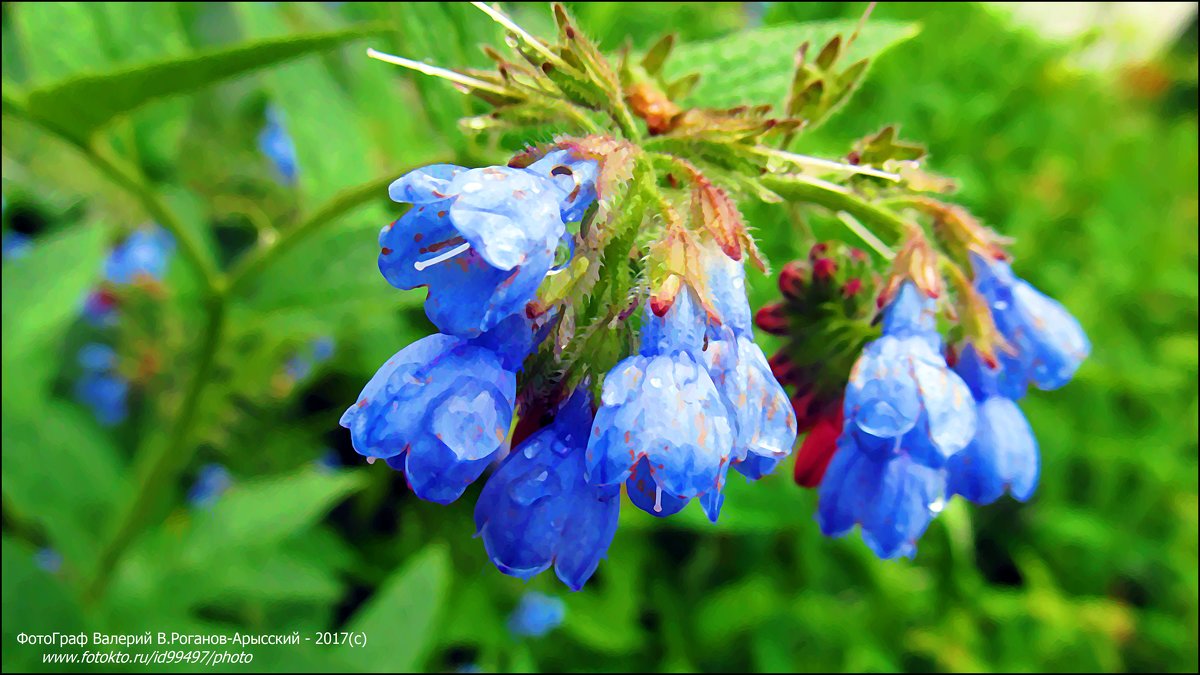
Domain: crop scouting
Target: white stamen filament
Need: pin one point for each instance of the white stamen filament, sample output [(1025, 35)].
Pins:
[(866, 235), (806, 161), (657, 499), (443, 257), (508, 23), (434, 71)]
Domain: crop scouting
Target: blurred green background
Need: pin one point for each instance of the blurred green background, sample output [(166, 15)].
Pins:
[(1091, 168)]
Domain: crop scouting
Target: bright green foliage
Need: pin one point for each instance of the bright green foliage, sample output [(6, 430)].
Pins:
[(117, 112)]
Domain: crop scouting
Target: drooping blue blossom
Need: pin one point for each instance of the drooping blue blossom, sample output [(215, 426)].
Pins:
[(97, 357), (212, 482), (48, 560), (143, 254), (276, 144), (536, 614), (1046, 343), (15, 245), (662, 406), (300, 365), (439, 410), (101, 387), (765, 423), (538, 510), (328, 461), (905, 414), (1003, 455), (322, 348), (481, 240)]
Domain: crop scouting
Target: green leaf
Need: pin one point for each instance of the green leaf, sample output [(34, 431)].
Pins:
[(263, 512), (59, 38), (756, 66), (81, 105), (61, 473), (35, 603), (399, 620), (42, 293), (312, 104)]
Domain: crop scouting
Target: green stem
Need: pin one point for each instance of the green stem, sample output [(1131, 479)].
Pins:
[(127, 177), (157, 469), (259, 259), (836, 198), (624, 119)]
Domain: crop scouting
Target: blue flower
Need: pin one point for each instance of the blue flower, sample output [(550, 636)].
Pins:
[(276, 144), (538, 510), (301, 364), (892, 500), (1003, 456), (662, 416), (105, 394), (536, 614), (211, 483), (481, 240), (322, 348), (48, 560), (763, 417), (905, 413), (97, 357), (144, 253), (438, 410), (16, 245), (1048, 343), (328, 461)]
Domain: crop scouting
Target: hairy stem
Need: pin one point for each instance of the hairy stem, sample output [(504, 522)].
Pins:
[(798, 188)]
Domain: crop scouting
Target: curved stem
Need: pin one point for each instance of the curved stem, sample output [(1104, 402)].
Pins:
[(254, 262), (836, 198), (157, 469), (128, 178)]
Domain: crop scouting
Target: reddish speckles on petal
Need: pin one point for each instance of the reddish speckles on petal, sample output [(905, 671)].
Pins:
[(362, 403), (385, 251), (435, 247)]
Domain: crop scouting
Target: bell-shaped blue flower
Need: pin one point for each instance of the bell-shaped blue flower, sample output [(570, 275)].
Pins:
[(438, 410), (1047, 343), (1003, 456), (212, 482), (275, 143), (144, 253), (536, 614), (905, 413), (663, 407), (15, 244), (902, 396), (101, 387), (538, 510), (106, 393), (482, 240), (764, 421), (892, 500)]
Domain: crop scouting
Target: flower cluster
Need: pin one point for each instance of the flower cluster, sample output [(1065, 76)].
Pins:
[(920, 422), (499, 254), (138, 261), (591, 308), (824, 317)]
